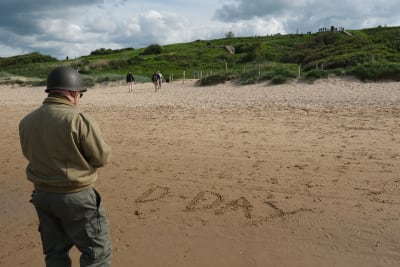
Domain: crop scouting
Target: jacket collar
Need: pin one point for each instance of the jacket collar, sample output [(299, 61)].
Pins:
[(58, 99)]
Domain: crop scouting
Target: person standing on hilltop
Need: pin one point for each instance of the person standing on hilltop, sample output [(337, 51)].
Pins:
[(64, 149), (130, 79)]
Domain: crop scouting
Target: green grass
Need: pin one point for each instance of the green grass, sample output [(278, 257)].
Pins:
[(369, 54)]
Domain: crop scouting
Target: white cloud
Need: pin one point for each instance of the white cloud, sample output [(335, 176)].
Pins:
[(163, 28), (78, 27), (258, 26), (97, 24), (60, 29), (311, 14), (6, 50)]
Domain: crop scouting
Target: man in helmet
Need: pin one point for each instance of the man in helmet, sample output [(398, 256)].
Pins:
[(64, 148)]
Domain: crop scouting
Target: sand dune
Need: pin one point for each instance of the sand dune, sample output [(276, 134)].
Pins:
[(288, 175)]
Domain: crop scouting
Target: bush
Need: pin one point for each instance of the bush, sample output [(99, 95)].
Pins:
[(279, 79), (27, 59), (212, 80), (88, 81), (135, 60), (117, 64), (316, 74), (278, 72), (153, 49), (252, 52), (275, 74), (377, 71), (101, 51), (109, 51), (248, 77)]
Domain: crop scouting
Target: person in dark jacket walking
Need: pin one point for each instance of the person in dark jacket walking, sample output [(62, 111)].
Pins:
[(157, 79), (64, 148), (130, 79)]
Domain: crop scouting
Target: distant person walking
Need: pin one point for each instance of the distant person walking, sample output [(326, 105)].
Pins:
[(130, 79), (64, 148), (161, 77), (157, 79)]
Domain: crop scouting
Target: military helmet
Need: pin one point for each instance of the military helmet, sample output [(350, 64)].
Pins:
[(64, 78)]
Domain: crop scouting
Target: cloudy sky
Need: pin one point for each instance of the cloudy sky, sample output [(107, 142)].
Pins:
[(74, 28)]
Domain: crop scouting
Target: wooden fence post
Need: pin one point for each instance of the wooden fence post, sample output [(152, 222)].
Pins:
[(298, 72)]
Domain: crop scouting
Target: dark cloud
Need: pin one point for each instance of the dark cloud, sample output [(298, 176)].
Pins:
[(22, 16), (245, 10), (23, 23)]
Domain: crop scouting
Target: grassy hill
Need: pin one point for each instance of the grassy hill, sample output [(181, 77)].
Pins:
[(369, 54)]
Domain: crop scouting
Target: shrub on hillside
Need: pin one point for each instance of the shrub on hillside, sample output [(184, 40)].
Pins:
[(275, 75), (279, 79), (252, 52), (248, 77), (135, 60), (212, 80), (278, 72), (153, 49), (315, 74), (377, 71), (117, 64), (108, 51), (88, 81), (101, 51), (26, 59)]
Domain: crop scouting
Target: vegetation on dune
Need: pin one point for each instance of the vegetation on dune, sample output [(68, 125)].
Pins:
[(368, 54)]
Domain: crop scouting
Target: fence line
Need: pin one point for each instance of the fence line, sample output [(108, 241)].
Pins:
[(258, 69)]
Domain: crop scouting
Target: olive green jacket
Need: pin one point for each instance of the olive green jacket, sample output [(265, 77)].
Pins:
[(64, 146)]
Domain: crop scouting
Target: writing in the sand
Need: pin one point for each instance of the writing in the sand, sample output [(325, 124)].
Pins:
[(208, 200), (202, 201)]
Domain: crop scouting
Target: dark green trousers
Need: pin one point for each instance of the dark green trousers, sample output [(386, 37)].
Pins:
[(72, 219)]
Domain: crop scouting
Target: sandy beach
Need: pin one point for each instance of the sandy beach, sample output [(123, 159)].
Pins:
[(229, 176)]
